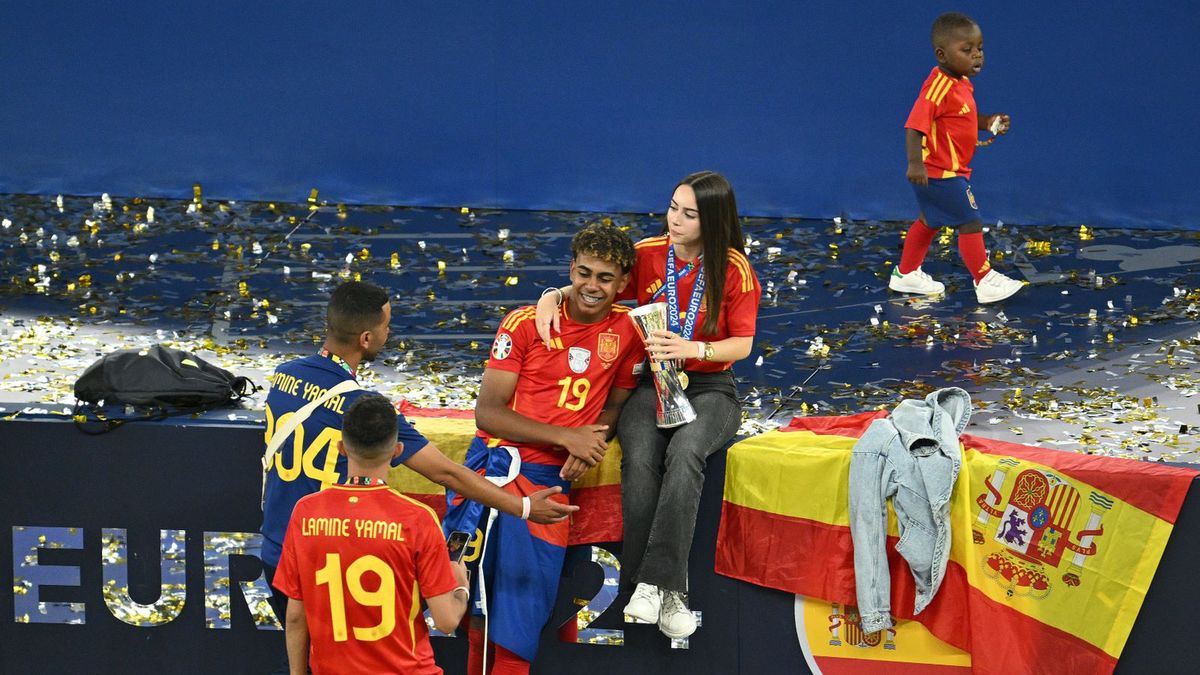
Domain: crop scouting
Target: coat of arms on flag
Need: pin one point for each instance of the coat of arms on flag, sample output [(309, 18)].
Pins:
[(1034, 528), (832, 641)]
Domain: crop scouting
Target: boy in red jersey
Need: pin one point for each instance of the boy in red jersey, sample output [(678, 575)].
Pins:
[(354, 557), (940, 137), (544, 416)]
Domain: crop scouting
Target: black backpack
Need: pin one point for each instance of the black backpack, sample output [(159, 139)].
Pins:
[(166, 381)]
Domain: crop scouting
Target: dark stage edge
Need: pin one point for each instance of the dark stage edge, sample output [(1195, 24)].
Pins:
[(124, 480)]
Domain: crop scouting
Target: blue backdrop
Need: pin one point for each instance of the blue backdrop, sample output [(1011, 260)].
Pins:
[(593, 106)]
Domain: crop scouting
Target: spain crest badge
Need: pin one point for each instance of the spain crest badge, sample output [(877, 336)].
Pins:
[(608, 346)]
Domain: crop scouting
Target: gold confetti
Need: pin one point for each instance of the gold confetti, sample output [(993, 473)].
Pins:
[(1038, 248)]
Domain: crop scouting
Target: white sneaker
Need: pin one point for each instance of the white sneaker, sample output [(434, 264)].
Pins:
[(915, 281), (645, 604), (675, 620), (994, 287)]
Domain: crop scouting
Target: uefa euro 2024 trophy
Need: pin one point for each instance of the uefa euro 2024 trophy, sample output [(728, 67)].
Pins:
[(673, 407)]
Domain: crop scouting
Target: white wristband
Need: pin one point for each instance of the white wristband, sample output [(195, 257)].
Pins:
[(700, 350), (555, 290), (524, 508), (464, 589)]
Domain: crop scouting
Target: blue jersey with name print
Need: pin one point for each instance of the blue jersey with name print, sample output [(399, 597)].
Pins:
[(309, 461)]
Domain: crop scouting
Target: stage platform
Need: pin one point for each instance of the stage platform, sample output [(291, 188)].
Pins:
[(1096, 355)]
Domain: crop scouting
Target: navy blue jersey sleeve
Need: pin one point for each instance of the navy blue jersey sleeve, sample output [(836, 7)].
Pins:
[(410, 437)]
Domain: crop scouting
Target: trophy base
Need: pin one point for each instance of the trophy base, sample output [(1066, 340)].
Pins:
[(675, 419)]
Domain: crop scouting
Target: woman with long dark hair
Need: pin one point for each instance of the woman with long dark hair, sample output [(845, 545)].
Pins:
[(697, 265)]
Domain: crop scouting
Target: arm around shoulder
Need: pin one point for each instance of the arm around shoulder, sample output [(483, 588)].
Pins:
[(546, 316)]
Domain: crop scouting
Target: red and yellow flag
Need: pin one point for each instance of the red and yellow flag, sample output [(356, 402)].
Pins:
[(1051, 555), (833, 643), (597, 492)]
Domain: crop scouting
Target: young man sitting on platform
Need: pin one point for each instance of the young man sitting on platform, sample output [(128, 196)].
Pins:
[(544, 417)]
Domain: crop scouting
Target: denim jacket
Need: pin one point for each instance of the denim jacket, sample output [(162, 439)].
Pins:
[(912, 458)]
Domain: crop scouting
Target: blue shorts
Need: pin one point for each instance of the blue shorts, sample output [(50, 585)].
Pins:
[(947, 202)]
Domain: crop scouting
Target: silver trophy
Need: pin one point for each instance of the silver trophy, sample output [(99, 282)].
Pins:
[(672, 406)]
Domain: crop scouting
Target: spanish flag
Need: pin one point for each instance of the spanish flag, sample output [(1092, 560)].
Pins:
[(597, 493), (1051, 556)]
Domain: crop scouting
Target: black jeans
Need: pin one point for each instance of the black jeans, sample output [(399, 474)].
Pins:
[(662, 475)]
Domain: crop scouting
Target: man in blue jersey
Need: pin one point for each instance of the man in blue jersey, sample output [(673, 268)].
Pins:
[(307, 460)]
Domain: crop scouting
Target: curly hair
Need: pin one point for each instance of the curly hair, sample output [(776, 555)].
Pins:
[(606, 242)]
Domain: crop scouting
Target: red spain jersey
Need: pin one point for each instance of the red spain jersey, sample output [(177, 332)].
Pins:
[(945, 113), (739, 306), (360, 558), (568, 384)]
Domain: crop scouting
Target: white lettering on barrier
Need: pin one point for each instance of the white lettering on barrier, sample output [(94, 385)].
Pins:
[(30, 574)]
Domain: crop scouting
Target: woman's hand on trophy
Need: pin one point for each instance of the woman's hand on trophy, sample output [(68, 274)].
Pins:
[(663, 345), (587, 443)]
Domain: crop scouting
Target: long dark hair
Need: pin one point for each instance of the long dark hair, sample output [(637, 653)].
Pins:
[(720, 230)]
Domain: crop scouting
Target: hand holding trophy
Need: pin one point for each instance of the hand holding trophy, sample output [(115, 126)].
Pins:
[(672, 406)]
